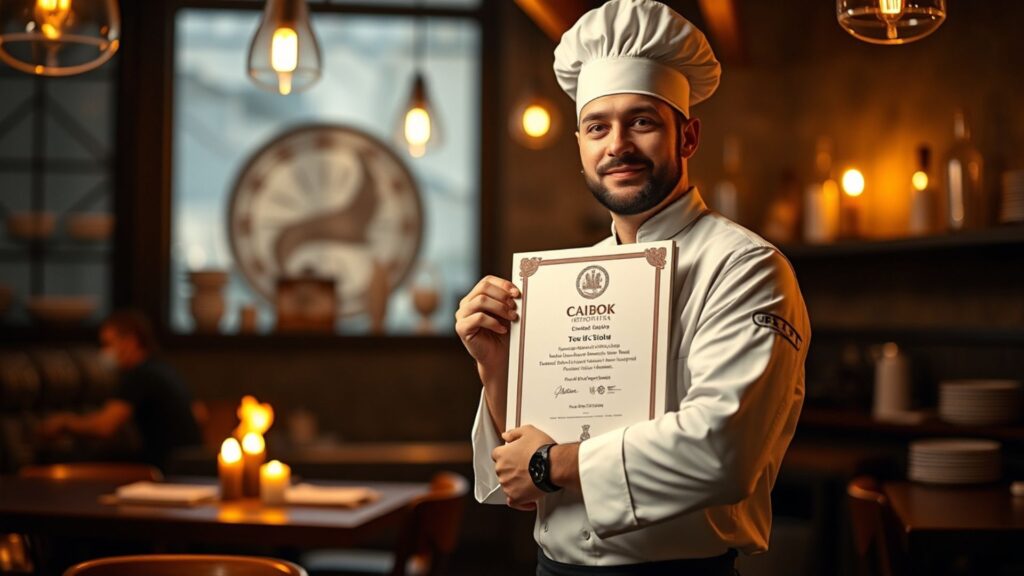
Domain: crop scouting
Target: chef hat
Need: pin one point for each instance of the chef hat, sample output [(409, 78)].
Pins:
[(639, 47)]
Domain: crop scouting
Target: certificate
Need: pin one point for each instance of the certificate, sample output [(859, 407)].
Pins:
[(589, 351)]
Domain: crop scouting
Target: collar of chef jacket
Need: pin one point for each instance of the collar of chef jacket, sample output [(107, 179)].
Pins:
[(671, 220)]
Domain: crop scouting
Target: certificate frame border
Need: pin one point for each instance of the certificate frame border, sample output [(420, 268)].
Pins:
[(656, 257)]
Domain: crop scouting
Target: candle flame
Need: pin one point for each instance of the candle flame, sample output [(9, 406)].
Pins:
[(230, 451), (254, 416), (853, 182), (253, 443)]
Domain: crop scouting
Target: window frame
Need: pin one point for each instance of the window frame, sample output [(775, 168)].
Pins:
[(144, 222)]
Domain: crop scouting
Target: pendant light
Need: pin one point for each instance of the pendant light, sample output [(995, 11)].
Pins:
[(890, 21), (58, 37), (284, 56), (535, 121), (418, 130)]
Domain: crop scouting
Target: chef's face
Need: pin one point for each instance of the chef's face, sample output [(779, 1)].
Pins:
[(632, 148)]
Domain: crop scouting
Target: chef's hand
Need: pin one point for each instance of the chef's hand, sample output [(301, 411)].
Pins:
[(512, 461), (482, 322), (483, 318)]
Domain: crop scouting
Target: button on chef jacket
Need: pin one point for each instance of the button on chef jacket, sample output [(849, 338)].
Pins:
[(697, 480)]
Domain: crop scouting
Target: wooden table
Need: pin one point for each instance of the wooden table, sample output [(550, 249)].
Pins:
[(983, 524), (73, 508)]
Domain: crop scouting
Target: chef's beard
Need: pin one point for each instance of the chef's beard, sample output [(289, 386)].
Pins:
[(659, 185)]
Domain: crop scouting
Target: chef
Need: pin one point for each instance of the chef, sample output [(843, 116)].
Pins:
[(685, 492)]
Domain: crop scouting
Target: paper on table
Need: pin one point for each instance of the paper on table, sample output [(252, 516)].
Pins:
[(313, 495), (163, 493)]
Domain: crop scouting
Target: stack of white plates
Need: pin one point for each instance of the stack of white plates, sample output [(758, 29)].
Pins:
[(954, 461), (980, 402), (1012, 209)]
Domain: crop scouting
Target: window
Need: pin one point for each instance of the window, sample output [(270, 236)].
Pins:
[(231, 138)]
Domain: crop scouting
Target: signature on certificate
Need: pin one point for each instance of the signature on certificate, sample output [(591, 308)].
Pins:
[(559, 390)]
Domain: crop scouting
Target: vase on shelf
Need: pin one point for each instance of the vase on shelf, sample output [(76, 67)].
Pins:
[(207, 304), (426, 297)]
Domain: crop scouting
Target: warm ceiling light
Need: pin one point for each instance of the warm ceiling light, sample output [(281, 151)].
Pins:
[(418, 131), (535, 122), (284, 55), (890, 21), (853, 182), (58, 37), (919, 180)]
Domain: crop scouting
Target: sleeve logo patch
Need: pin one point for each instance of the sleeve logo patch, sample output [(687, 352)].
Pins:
[(777, 324)]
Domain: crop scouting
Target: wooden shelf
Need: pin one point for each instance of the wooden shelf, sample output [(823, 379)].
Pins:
[(846, 420), (1005, 236), (63, 253)]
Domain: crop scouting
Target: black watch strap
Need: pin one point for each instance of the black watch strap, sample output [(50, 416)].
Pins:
[(540, 469)]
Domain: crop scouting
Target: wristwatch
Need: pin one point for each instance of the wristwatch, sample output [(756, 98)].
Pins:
[(540, 469)]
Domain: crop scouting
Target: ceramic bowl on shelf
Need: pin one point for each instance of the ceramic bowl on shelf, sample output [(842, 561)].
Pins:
[(90, 226), (31, 225), (61, 310)]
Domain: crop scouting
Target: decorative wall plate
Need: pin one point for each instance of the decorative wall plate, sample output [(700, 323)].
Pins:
[(327, 201)]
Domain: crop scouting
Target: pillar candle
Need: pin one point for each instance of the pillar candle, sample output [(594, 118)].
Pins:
[(274, 480), (254, 454), (229, 470)]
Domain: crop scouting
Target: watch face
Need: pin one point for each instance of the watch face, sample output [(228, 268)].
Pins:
[(326, 201), (538, 468)]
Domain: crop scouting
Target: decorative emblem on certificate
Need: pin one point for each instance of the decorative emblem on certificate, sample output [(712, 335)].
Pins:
[(592, 282), (589, 353)]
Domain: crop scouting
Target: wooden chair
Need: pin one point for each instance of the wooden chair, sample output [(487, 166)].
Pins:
[(101, 471), (425, 543), (185, 565), (876, 532)]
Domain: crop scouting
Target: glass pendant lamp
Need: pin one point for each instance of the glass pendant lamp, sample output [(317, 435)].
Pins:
[(418, 130), (890, 21), (58, 37), (284, 56)]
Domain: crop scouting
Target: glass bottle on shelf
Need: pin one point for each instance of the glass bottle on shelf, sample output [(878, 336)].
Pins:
[(924, 204), (725, 198), (821, 198), (964, 200)]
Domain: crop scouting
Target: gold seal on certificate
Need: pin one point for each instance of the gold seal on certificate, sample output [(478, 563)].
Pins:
[(589, 352)]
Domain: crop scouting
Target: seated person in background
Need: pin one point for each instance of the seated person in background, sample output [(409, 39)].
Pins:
[(149, 392)]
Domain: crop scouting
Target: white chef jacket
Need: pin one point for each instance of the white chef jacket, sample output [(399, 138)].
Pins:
[(697, 480)]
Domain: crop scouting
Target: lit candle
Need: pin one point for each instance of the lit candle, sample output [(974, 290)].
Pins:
[(229, 469), (853, 186), (254, 454), (274, 480)]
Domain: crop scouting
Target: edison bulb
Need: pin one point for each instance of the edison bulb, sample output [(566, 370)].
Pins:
[(853, 182), (52, 17), (284, 57), (919, 180), (417, 130)]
